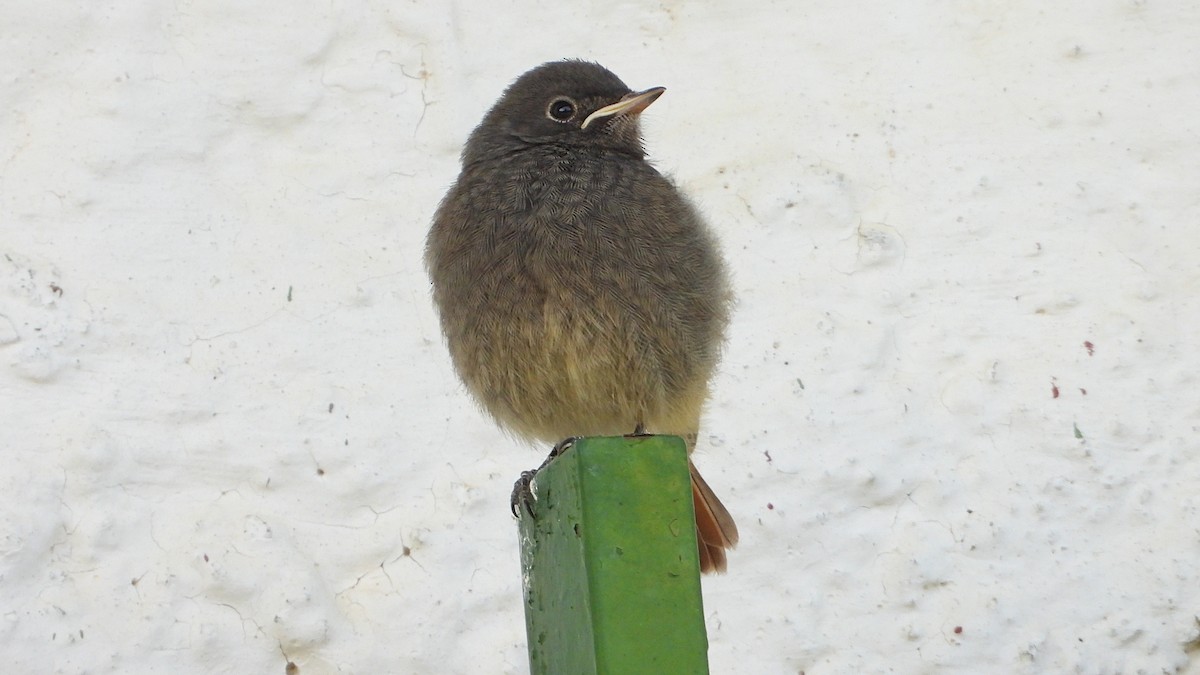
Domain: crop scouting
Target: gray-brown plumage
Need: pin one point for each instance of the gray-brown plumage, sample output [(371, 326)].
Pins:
[(579, 292)]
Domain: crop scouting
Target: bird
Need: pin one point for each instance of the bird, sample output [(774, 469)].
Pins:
[(579, 291)]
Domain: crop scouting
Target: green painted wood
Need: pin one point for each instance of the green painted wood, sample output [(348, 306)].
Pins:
[(611, 573)]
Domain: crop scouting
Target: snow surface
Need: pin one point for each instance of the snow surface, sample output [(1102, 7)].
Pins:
[(960, 392)]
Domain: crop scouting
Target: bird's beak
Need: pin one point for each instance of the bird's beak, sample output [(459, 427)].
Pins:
[(630, 104)]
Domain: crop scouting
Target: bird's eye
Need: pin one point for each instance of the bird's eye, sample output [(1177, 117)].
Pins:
[(561, 110)]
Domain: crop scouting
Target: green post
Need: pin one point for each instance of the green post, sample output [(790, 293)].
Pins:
[(610, 568)]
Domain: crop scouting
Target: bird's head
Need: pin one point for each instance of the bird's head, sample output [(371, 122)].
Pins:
[(566, 103)]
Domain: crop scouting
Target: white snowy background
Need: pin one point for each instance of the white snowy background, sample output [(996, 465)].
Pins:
[(957, 418)]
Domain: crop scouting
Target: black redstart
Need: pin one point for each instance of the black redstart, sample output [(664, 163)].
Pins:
[(580, 293)]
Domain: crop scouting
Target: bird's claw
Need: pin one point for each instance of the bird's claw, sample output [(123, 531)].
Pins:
[(522, 493), (559, 448)]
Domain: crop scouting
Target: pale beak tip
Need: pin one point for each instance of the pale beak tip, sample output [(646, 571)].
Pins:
[(630, 104)]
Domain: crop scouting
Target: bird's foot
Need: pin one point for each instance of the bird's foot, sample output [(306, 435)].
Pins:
[(638, 432), (522, 494)]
